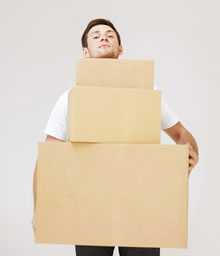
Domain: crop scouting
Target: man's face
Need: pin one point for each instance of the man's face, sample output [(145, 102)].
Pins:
[(102, 43)]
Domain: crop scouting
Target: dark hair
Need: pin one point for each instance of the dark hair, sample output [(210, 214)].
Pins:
[(95, 22)]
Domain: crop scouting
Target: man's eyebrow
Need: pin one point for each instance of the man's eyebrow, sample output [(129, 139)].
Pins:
[(97, 31), (110, 31)]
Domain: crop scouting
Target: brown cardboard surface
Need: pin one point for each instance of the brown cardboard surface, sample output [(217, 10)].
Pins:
[(115, 73), (129, 115), (112, 194)]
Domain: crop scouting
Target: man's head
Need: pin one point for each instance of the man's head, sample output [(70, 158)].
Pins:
[(101, 40)]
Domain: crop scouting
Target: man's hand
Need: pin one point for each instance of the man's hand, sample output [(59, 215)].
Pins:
[(182, 136), (193, 158)]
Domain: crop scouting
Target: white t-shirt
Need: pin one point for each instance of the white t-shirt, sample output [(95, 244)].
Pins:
[(57, 123)]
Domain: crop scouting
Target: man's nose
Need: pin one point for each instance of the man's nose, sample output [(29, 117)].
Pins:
[(104, 38)]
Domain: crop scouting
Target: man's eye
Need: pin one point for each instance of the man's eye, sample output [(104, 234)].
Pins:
[(111, 36), (95, 37)]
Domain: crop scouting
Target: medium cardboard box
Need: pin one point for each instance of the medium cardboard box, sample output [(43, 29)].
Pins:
[(112, 194), (115, 73), (130, 115)]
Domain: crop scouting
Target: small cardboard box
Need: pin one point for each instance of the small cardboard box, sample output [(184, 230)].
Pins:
[(112, 194), (115, 73), (129, 115)]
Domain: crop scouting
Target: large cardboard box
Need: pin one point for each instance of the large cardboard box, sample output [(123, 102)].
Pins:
[(115, 73), (130, 115), (112, 194)]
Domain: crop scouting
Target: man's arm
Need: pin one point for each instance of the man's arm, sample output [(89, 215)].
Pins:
[(182, 136), (48, 139)]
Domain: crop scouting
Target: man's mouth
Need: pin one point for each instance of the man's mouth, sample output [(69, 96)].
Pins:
[(104, 45)]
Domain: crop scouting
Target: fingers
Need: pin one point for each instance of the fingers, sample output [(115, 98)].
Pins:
[(193, 158), (193, 155)]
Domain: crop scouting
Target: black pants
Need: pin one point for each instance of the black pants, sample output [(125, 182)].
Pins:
[(85, 250)]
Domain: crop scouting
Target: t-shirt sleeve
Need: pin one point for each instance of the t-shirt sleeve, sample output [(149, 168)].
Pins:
[(56, 125), (168, 116)]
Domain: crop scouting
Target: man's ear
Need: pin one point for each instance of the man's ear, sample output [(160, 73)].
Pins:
[(120, 49), (86, 52)]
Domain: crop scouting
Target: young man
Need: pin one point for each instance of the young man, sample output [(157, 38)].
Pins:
[(101, 40)]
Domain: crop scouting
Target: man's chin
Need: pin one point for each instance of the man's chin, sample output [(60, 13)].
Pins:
[(106, 55)]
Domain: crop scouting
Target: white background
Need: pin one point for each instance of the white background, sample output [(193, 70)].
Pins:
[(39, 46)]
